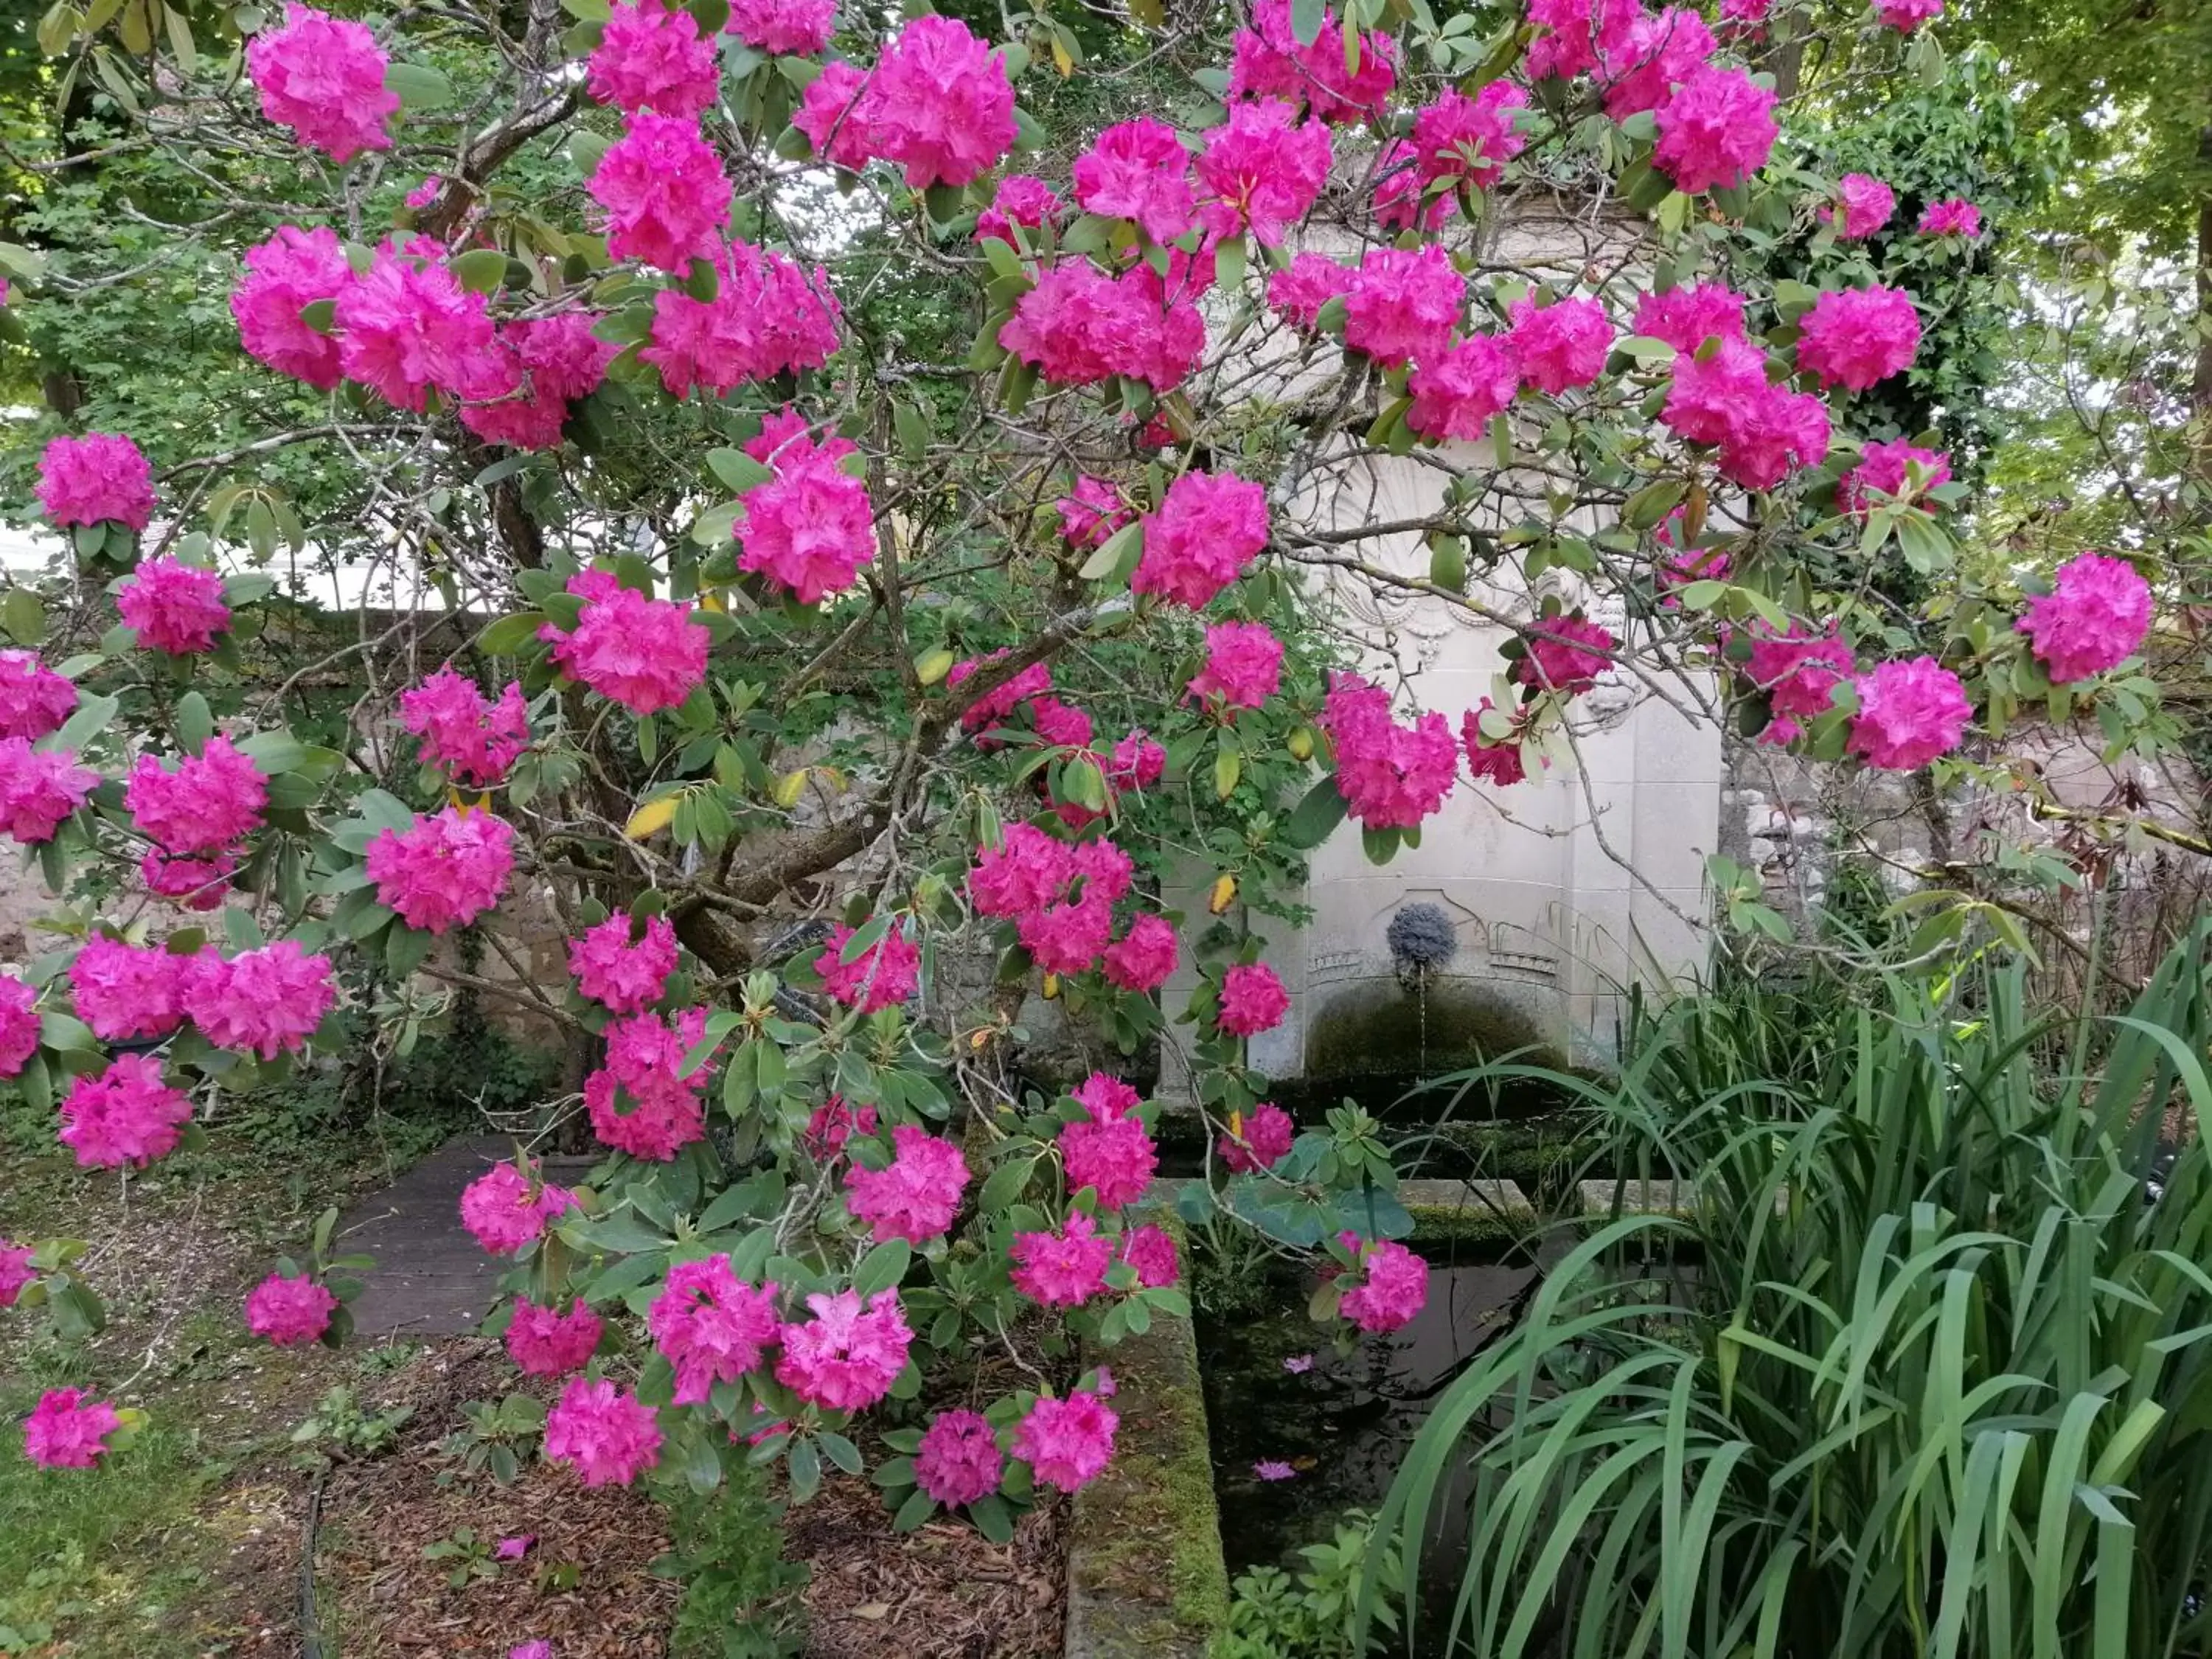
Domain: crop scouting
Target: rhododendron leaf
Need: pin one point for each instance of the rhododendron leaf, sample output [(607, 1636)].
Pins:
[(1447, 562), (898, 1471), (917, 1509), (272, 752), (406, 949), (1381, 846), (1005, 1184), (841, 1451), (418, 87), (23, 617), (805, 1465), (195, 722), (864, 939), (91, 717), (1315, 818), (710, 15), (1926, 547), (1116, 558), (653, 817), (1702, 595), (1228, 768), (58, 1030), (509, 636)]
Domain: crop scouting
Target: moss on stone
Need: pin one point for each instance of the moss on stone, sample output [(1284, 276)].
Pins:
[(1471, 1224)]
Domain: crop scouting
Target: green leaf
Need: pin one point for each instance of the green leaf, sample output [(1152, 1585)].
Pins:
[(739, 471), (23, 617), (1116, 558), (480, 270), (884, 1267), (272, 752), (993, 1518), (195, 722), (1315, 818), (805, 1471), (1306, 19), (92, 716), (508, 635), (418, 86)]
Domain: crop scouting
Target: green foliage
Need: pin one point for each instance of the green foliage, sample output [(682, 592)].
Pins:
[(740, 1593), (338, 1425), (1939, 1382), (1310, 1612)]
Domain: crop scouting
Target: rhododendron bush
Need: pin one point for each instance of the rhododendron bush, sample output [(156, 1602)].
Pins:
[(854, 576)]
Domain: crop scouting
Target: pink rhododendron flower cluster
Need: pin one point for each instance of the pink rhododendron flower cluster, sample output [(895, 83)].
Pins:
[(99, 479), (1394, 1286), (996, 704), (662, 1113), (542, 1342), (882, 977), (1337, 83), (605, 1431), (1136, 761), (654, 57), (1402, 305), (618, 975), (1261, 170), (549, 363), (126, 993), (174, 607), (644, 653), (1763, 429), (1138, 171), (1467, 141), (442, 870), (124, 1115), (1570, 34), (1080, 326), (1063, 1269), (1206, 531), (711, 1325), (1391, 776), (1566, 654), (1955, 216), (937, 104), (829, 115), (16, 1273), (290, 1312), (811, 528), (1716, 131), (1401, 199), (1909, 714), (1021, 199), (1090, 516), (1150, 1253), (1856, 336), (34, 701), (767, 316), (1866, 203), (1312, 280), (407, 328), (2093, 619), (916, 1195), (834, 1122), (213, 800), (1243, 666), (1906, 16), (1560, 345), (38, 789), (1799, 671), (1497, 760), (1067, 1442), (68, 1429), (19, 1025), (1257, 1139), (1882, 468), (845, 1358), (1686, 317), (505, 1209), (1110, 1152), (1655, 54), (467, 736), (1253, 999), (290, 271), (958, 1461), (1027, 871), (263, 1001), (194, 883), (666, 198), (324, 78), (1144, 958), (1456, 393), (787, 29)]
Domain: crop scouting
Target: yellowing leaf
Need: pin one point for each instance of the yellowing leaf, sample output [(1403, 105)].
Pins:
[(651, 818), (1051, 987), (1223, 894), (789, 787), (932, 666), (1061, 59)]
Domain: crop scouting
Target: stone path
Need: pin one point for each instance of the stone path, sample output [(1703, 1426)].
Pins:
[(431, 1277)]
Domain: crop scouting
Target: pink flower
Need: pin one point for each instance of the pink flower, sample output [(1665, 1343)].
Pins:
[(619, 975), (1068, 939), (711, 1325), (1298, 1364), (544, 1343), (540, 1650), (34, 701), (939, 104), (829, 114), (1403, 305), (2093, 620), (127, 992), (443, 870), (195, 884), (1145, 957), (666, 197), (645, 1060), (1714, 398), (1715, 130), (1909, 714), (994, 705), (1138, 170), (1026, 872), (16, 1273), (67, 1431), (1883, 467), (1685, 318), (1090, 517), (1243, 666), (1856, 336), (1469, 140), (844, 1359), (1311, 281), (959, 1461), (834, 1122), (1790, 430), (1021, 199), (211, 801), (407, 327), (290, 271), (1105, 1096), (505, 1209), (1208, 529), (324, 79), (99, 479), (124, 1115), (1257, 1139), (1557, 660), (472, 740), (1955, 216), (812, 527), (1063, 1269), (1558, 346), (1137, 763), (1114, 1157), (651, 58), (1798, 671), (1270, 62), (1253, 999), (514, 1549), (1500, 761), (604, 1431), (882, 977), (174, 607), (551, 363), (290, 1312), (1080, 326), (646, 655), (1270, 1468), (1395, 1288), (1401, 199), (38, 789), (768, 318), (1649, 58), (916, 1195), (785, 29), (1152, 1252), (1906, 16), (426, 192), (19, 1027), (1571, 33), (1867, 203), (262, 1001), (1456, 395), (1265, 166), (1067, 1442), (1392, 777)]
